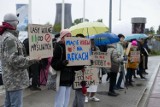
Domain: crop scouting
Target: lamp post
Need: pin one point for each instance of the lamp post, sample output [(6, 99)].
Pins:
[(110, 16), (30, 12), (63, 9), (120, 4), (84, 5)]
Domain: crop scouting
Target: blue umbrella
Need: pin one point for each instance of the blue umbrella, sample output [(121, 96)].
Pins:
[(135, 36), (105, 38)]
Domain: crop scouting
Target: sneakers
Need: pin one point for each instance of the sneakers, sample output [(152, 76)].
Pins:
[(86, 99), (94, 98)]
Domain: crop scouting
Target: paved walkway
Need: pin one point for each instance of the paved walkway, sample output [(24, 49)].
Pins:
[(131, 98), (154, 98)]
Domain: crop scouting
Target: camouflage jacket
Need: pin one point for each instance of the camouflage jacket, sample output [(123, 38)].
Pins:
[(14, 64)]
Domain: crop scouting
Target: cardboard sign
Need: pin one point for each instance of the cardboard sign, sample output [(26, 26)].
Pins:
[(40, 41), (90, 76), (101, 59), (135, 56), (78, 51)]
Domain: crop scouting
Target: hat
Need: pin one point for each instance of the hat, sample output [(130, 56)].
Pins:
[(11, 19), (64, 32), (134, 43)]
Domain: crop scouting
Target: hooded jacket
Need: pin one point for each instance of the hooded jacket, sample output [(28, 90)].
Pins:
[(115, 58), (14, 64)]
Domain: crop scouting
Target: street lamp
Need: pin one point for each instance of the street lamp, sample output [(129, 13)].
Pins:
[(30, 12), (84, 10), (110, 16), (63, 9)]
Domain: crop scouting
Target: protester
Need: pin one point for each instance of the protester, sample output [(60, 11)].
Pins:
[(79, 99), (14, 64), (132, 65), (115, 63), (141, 67), (66, 72), (91, 91), (146, 54), (120, 51), (33, 70)]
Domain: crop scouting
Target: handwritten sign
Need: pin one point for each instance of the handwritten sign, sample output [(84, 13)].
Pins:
[(90, 76), (40, 41), (135, 56), (78, 51), (101, 59)]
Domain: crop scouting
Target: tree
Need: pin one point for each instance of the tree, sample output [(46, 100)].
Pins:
[(100, 20), (57, 27), (48, 23), (158, 31), (79, 20), (152, 31)]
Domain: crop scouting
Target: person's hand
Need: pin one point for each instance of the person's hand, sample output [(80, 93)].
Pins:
[(91, 62), (125, 58), (65, 62), (38, 59)]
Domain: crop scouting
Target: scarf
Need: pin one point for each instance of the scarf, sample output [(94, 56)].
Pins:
[(5, 26)]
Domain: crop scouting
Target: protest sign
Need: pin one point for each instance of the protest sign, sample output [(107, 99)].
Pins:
[(90, 76), (78, 51), (40, 41), (101, 59), (135, 56)]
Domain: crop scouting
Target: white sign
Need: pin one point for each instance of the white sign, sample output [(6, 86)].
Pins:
[(101, 59), (78, 51), (40, 41), (90, 76)]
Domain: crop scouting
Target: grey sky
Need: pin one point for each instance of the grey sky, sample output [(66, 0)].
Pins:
[(43, 11)]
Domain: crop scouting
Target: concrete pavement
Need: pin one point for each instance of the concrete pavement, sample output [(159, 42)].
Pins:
[(132, 98)]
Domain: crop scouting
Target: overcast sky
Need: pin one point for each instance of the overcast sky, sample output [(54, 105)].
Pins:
[(43, 11)]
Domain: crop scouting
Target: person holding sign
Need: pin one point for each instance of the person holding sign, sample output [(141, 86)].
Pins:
[(59, 63), (115, 63), (91, 91), (80, 93), (133, 62), (14, 63)]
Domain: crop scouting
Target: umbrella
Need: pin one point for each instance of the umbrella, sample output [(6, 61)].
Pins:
[(105, 38), (135, 36), (88, 28)]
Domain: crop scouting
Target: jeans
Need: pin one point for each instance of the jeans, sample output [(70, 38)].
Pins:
[(79, 98), (62, 96), (14, 98)]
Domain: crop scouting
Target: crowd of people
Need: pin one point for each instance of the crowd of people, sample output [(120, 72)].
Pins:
[(18, 69)]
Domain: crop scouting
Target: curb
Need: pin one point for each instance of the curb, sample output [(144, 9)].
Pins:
[(143, 102)]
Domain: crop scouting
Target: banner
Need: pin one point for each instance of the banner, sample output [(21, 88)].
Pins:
[(22, 13), (101, 59), (135, 56), (78, 51), (40, 41), (90, 76)]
